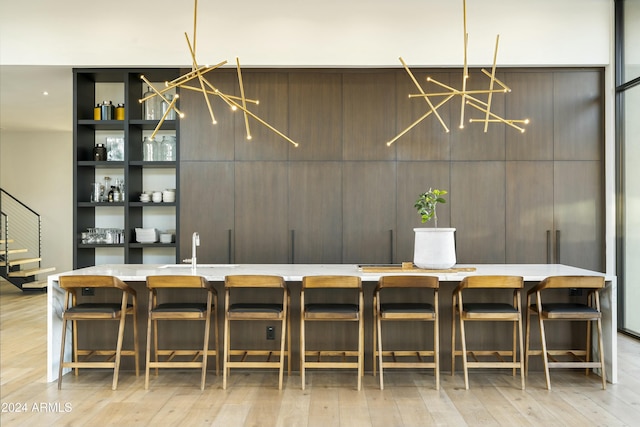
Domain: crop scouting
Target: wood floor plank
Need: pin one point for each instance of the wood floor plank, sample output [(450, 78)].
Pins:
[(330, 399)]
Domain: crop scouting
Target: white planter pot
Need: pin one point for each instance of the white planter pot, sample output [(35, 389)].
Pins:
[(434, 248)]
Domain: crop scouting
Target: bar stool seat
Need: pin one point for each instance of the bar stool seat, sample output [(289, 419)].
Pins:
[(488, 311), (587, 310), (313, 309), (180, 311), (75, 311), (244, 301), (406, 288)]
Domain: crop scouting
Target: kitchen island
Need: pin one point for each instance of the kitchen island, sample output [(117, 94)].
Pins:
[(136, 274)]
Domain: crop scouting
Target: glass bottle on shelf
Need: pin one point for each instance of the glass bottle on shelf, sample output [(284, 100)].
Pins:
[(148, 149), (158, 145), (105, 192), (169, 148), (152, 107), (171, 115)]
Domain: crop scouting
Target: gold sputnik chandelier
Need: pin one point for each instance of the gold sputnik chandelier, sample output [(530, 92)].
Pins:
[(468, 97), (195, 80)]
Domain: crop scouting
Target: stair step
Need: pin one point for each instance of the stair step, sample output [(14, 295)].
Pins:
[(15, 251), (35, 285), (31, 271), (20, 261)]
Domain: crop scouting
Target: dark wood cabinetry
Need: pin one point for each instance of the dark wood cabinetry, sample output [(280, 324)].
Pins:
[(120, 86), (345, 196)]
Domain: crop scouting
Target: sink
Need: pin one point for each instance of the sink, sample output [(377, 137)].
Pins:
[(199, 266)]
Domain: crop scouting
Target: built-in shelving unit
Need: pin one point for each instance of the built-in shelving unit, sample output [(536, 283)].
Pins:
[(120, 86)]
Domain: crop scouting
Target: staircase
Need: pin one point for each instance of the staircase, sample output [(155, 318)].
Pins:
[(20, 244)]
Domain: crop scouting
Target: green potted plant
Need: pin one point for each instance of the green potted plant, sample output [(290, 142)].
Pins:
[(434, 248), (427, 202)]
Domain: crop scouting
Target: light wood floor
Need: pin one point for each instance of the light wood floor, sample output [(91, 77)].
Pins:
[(330, 399)]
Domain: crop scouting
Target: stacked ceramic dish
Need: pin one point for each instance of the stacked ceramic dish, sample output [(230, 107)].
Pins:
[(146, 235), (169, 195), (145, 197)]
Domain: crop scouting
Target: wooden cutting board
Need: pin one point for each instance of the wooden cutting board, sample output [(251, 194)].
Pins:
[(408, 267)]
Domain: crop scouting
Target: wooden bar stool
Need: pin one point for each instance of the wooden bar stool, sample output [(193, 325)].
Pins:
[(331, 308), (587, 310), (488, 311), (245, 302), (406, 307), (74, 311), (172, 310)]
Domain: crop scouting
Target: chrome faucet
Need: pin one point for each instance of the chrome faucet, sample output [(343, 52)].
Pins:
[(195, 241)]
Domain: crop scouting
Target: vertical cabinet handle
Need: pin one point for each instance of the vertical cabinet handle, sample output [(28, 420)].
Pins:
[(548, 246), (557, 261), (230, 246), (292, 246), (391, 254)]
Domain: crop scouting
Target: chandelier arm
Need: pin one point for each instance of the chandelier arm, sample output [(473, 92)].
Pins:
[(505, 88), (495, 116), (164, 116), (295, 144), (243, 99), (192, 75), (491, 82), (157, 92), (414, 124), (201, 79), (426, 98)]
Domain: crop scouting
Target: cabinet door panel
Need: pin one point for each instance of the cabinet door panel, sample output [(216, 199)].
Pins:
[(414, 178), (315, 211), (428, 140), (271, 89), (368, 211), (206, 206), (472, 142), (531, 97), (315, 114), (578, 124), (579, 214), (478, 211), (261, 230), (200, 139), (529, 212), (369, 112)]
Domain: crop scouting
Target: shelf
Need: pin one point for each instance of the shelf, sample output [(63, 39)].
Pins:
[(155, 165), (101, 164), (100, 245), (99, 204), (91, 87), (152, 245), (151, 124), (103, 124), (150, 204)]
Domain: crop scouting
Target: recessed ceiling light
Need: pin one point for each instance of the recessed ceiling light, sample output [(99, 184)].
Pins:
[(45, 93)]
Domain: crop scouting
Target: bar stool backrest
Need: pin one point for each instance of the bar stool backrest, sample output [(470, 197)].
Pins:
[(178, 282), (506, 282)]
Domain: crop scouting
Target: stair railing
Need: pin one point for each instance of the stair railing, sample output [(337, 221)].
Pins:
[(21, 225)]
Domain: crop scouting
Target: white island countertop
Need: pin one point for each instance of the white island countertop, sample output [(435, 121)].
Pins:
[(295, 273)]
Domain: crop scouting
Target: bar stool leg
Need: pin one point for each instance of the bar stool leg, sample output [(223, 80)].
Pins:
[(116, 369), (150, 324), (379, 329), (64, 336), (463, 341)]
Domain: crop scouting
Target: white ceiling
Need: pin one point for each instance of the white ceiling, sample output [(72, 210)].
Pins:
[(41, 40)]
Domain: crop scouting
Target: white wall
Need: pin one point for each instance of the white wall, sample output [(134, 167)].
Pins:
[(304, 33), (36, 167)]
